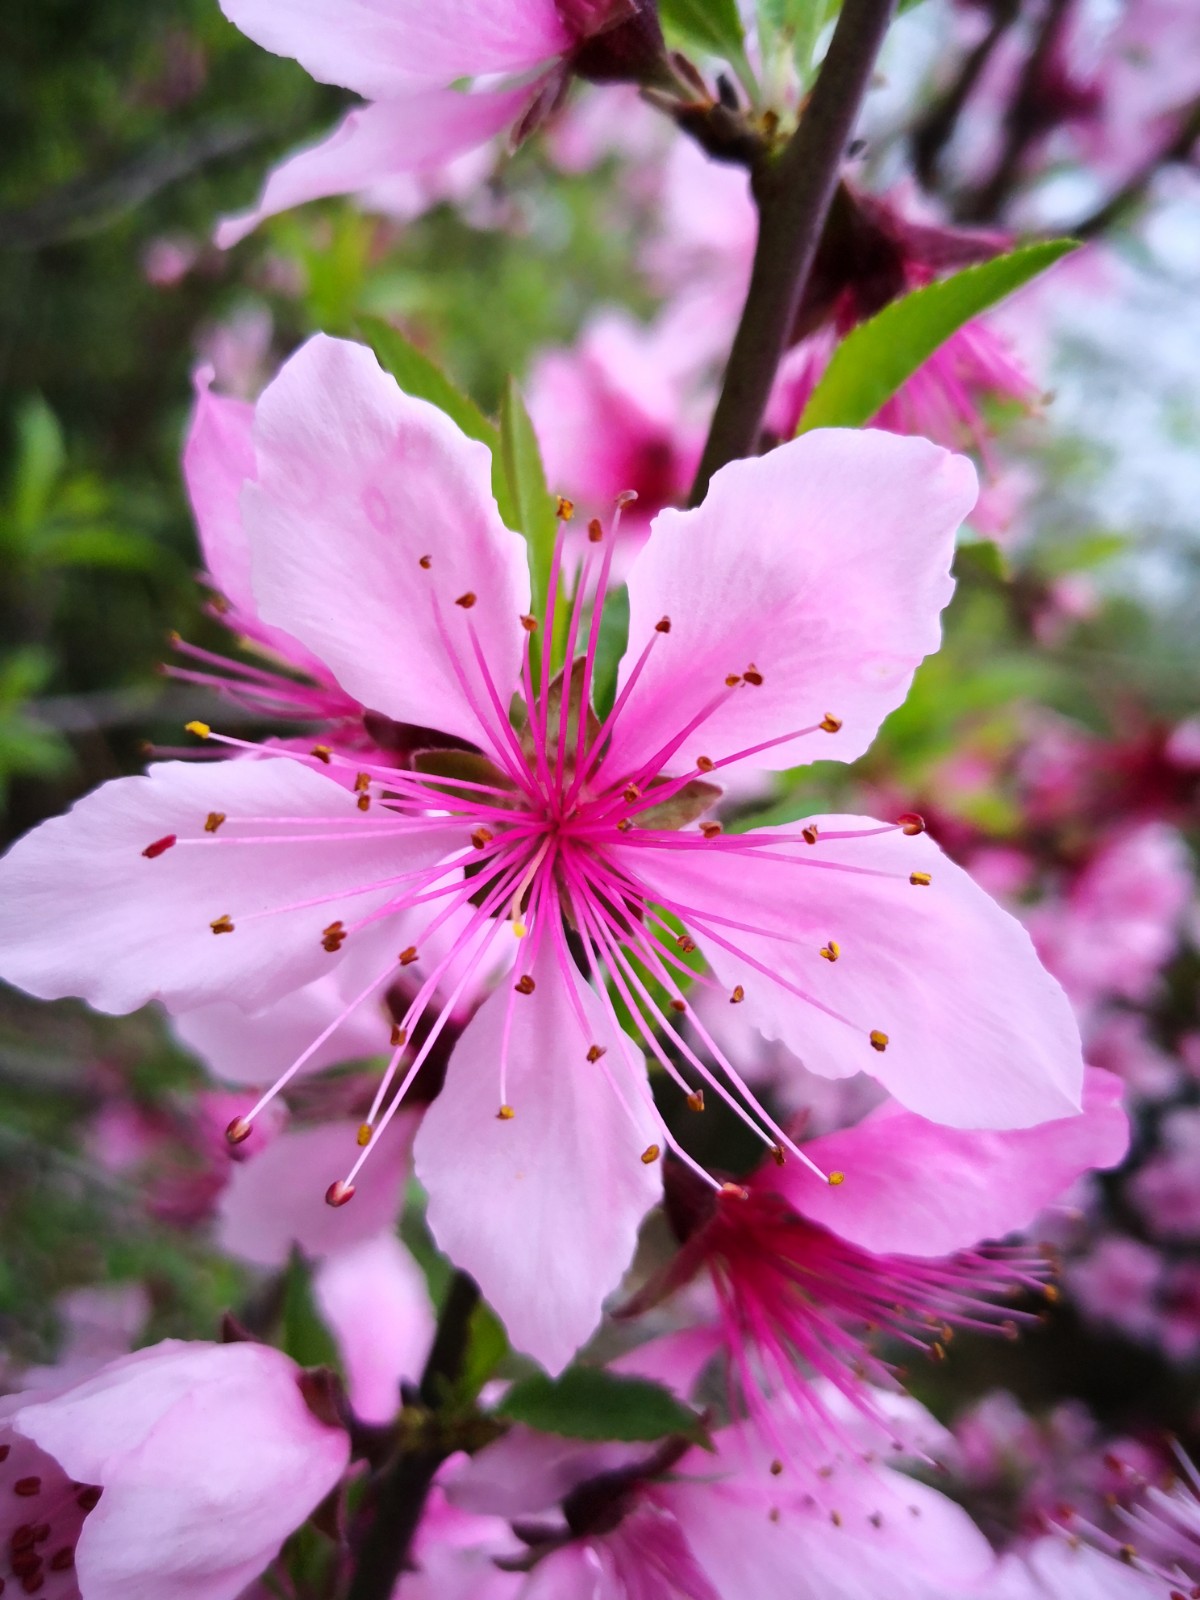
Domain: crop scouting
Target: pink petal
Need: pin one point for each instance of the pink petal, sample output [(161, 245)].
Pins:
[(218, 458), (208, 1457), (542, 1209), (358, 483), (276, 1199), (824, 564), (83, 912), (915, 1188), (379, 47), (374, 1301), (373, 144), (978, 1035)]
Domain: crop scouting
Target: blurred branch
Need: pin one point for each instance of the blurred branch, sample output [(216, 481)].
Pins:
[(1178, 148), (94, 201), (793, 192), (933, 131)]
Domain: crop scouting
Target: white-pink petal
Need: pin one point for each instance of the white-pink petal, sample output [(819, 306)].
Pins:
[(974, 1032), (84, 912), (374, 1301), (384, 47), (374, 144), (823, 567), (915, 1188), (376, 541), (542, 1208)]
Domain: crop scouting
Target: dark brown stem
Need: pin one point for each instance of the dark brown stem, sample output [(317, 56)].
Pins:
[(793, 192), (1178, 148), (399, 1496)]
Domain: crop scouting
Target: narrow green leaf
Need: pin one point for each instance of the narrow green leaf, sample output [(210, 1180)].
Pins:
[(417, 375), (588, 1403), (879, 356), (40, 458), (305, 1337), (487, 1346), (532, 510), (714, 27)]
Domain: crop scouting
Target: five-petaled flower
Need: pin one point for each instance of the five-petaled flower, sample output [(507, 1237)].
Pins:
[(777, 623)]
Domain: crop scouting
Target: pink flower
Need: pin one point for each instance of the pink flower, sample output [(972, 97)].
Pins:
[(178, 1470), (805, 1276), (403, 59), (783, 618)]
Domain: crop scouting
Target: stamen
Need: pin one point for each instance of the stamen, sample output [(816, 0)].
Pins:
[(213, 821), (339, 1192), (831, 951), (222, 924), (920, 880), (911, 823), (200, 729), (879, 1041), (159, 847), (830, 723)]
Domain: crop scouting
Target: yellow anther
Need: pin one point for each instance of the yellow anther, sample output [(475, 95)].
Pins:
[(505, 1114), (879, 1041), (595, 1051), (565, 508), (831, 951), (519, 928), (650, 1154), (399, 1036), (322, 753), (222, 924), (836, 1179), (213, 821), (695, 1100), (738, 995), (200, 729), (362, 783), (811, 834), (363, 1136), (466, 601), (920, 880), (408, 956), (830, 723)]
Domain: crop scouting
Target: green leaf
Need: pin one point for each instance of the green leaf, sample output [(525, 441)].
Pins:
[(873, 361), (40, 458), (487, 1346), (417, 375), (588, 1403), (305, 1337), (714, 27), (532, 508), (797, 25)]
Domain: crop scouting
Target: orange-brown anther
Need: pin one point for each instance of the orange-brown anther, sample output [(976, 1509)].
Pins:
[(631, 792), (408, 956), (364, 802), (159, 847), (466, 601), (663, 625), (732, 681), (505, 1114), (911, 823), (777, 1155), (920, 880), (565, 508), (362, 782), (734, 1191), (339, 1192), (710, 830), (836, 1179), (738, 995), (776, 1468), (363, 1136), (879, 1041), (213, 821), (704, 763), (399, 1036), (322, 753), (695, 1100), (524, 984), (811, 834), (650, 1154), (830, 723), (333, 937), (686, 943), (678, 1005), (595, 531), (625, 824), (831, 951), (529, 624), (426, 562), (595, 1051), (482, 837), (753, 676), (222, 924), (239, 1130)]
